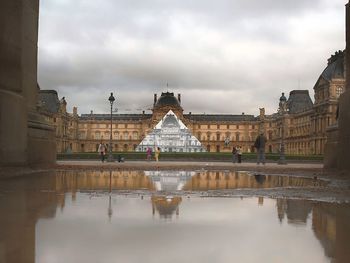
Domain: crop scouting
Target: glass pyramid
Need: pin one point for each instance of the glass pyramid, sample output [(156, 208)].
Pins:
[(171, 135)]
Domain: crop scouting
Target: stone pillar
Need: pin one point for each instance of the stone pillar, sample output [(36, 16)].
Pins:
[(344, 106), (25, 137), (13, 103)]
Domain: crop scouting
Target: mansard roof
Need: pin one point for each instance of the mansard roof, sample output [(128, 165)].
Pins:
[(219, 117), (49, 101), (298, 101), (335, 67), (119, 117)]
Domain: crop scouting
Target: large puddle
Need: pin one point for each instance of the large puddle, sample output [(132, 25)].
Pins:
[(88, 217)]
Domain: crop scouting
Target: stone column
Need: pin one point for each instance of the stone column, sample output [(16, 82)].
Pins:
[(344, 106), (13, 103), (25, 137)]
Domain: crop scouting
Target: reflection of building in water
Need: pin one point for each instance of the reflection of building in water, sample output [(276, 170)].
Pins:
[(281, 205), (170, 180), (102, 180), (324, 225), (171, 135), (331, 224), (260, 200), (297, 211), (215, 180), (166, 205)]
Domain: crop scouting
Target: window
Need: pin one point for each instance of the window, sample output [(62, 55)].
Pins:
[(237, 126), (218, 136), (218, 127), (228, 126), (339, 91), (54, 119), (237, 137)]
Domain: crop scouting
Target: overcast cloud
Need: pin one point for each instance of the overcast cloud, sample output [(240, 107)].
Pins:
[(223, 56)]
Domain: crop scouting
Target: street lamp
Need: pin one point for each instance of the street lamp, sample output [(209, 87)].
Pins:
[(110, 210), (110, 155), (282, 110)]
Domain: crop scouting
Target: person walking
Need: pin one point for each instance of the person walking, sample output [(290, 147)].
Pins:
[(149, 153), (102, 151), (156, 153), (260, 146), (234, 154), (239, 154)]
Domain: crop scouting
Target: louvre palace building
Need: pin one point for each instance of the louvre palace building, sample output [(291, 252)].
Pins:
[(304, 123)]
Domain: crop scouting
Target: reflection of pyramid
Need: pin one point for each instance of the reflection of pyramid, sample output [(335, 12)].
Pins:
[(171, 135), (169, 181)]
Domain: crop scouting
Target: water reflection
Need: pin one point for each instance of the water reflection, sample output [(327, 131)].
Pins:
[(166, 205), (65, 218), (170, 181)]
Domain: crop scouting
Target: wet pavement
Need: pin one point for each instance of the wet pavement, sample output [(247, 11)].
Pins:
[(171, 216)]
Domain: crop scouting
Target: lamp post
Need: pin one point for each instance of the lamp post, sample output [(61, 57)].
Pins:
[(110, 210), (282, 110), (110, 155)]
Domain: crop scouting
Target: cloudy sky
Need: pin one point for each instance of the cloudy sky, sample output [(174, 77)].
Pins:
[(223, 56)]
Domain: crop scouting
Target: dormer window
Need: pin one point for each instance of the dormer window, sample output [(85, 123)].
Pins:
[(338, 91)]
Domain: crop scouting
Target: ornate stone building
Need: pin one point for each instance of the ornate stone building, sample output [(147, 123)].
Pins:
[(303, 124), (215, 132)]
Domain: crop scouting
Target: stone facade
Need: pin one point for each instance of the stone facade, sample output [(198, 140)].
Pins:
[(304, 123)]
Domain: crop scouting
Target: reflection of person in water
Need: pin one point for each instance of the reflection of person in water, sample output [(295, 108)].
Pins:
[(260, 178)]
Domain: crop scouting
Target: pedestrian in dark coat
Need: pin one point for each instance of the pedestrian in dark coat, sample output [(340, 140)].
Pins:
[(259, 144)]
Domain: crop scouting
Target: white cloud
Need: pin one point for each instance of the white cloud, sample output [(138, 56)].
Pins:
[(245, 52)]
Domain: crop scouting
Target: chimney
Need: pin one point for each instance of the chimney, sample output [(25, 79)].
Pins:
[(179, 97), (143, 112), (75, 111), (155, 98)]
